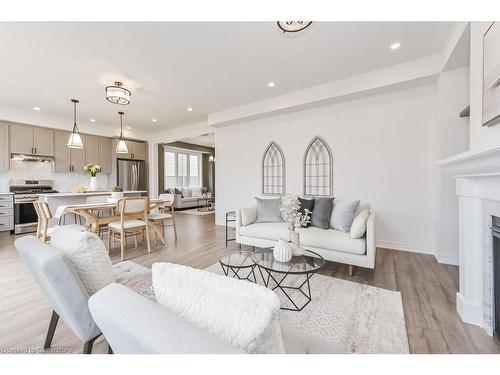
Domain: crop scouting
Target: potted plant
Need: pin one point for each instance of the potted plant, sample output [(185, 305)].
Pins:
[(93, 170), (117, 193), (204, 191)]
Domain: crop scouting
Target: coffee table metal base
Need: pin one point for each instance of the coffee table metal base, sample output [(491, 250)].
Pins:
[(234, 272), (267, 277)]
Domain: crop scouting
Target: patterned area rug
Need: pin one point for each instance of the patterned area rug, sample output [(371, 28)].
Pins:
[(194, 211), (356, 318)]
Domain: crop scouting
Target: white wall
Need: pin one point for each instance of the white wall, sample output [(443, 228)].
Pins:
[(382, 153)]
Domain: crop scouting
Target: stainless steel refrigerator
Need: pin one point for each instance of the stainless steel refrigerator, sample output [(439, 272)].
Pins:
[(131, 175)]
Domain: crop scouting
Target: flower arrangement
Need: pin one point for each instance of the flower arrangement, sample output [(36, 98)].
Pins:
[(92, 169), (290, 209)]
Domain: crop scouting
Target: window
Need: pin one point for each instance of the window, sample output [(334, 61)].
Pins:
[(318, 169), (273, 171), (182, 168)]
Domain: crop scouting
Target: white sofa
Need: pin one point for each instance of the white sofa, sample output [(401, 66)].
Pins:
[(189, 201), (331, 244)]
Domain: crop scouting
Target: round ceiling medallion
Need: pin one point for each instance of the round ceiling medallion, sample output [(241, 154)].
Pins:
[(118, 94), (293, 26)]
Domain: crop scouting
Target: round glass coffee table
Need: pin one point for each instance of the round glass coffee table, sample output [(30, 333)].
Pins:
[(239, 264), (291, 278)]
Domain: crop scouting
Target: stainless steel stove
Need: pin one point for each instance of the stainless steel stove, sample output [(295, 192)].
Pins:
[(25, 193)]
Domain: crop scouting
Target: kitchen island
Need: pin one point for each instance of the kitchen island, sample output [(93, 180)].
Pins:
[(55, 200)]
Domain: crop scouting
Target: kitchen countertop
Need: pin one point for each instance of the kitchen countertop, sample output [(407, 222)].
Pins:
[(88, 193), (6, 193)]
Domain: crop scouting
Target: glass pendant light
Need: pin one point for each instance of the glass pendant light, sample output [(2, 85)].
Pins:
[(75, 140), (121, 147)]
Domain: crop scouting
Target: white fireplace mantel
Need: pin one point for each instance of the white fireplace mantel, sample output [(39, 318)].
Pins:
[(478, 190)]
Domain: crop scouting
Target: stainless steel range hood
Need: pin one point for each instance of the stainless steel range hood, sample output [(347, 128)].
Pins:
[(33, 158)]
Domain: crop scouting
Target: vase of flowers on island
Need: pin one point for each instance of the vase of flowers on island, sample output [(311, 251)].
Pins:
[(116, 193), (93, 170), (291, 213)]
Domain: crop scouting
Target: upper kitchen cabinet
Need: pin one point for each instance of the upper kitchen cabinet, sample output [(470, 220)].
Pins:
[(91, 149), (62, 157), (105, 154), (4, 144), (137, 150), (31, 140)]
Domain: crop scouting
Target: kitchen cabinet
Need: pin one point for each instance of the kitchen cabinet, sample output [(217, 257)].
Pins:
[(77, 158), (62, 158), (137, 150), (4, 147), (31, 140), (105, 154), (91, 143), (6, 212)]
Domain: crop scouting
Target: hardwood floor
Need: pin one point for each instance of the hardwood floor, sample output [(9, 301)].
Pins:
[(427, 288)]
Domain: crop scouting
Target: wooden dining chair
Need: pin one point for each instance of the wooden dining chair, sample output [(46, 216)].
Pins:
[(133, 222), (107, 212), (44, 215), (165, 217)]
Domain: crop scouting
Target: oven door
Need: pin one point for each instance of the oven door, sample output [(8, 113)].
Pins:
[(25, 217)]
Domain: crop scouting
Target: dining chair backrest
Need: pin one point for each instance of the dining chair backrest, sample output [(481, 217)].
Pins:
[(42, 210), (97, 199), (133, 205)]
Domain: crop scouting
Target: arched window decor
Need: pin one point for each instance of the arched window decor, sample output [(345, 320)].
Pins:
[(318, 169), (273, 170)]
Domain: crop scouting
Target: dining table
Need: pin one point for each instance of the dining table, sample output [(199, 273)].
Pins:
[(93, 220)]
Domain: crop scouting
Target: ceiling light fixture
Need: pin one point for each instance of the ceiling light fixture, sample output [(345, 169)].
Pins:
[(75, 140), (189, 109), (121, 147), (117, 94), (92, 120), (395, 45), (211, 159), (293, 26), (128, 127), (36, 108), (271, 84), (154, 120)]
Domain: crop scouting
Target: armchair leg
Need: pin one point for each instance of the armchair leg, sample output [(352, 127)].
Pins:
[(52, 329), (351, 269), (87, 347)]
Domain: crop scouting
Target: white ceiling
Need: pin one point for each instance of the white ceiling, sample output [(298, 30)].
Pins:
[(169, 66)]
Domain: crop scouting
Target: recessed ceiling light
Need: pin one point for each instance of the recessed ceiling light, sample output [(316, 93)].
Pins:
[(36, 108), (190, 109), (92, 120), (154, 120), (395, 45), (270, 84), (128, 127)]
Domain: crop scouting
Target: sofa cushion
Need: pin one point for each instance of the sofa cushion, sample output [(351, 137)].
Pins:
[(268, 210), (320, 216), (363, 205), (246, 315), (268, 231), (88, 256), (306, 204), (358, 227), (343, 214), (331, 239), (248, 216), (196, 192)]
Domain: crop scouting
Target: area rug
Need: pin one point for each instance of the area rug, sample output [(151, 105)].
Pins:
[(194, 211), (356, 318)]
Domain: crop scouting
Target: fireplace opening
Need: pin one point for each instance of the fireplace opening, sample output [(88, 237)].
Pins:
[(495, 231)]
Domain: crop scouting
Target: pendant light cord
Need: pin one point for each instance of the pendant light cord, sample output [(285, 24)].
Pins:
[(75, 126)]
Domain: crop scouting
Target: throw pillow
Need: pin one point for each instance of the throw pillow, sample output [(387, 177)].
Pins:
[(268, 210), (177, 191), (184, 192), (88, 256), (358, 227), (343, 214), (245, 315), (190, 192), (248, 216), (306, 204), (322, 212)]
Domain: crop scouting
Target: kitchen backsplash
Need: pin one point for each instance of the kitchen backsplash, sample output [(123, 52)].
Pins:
[(63, 181)]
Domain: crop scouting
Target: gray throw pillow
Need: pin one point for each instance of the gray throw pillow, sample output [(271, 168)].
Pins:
[(343, 214), (268, 210), (322, 212)]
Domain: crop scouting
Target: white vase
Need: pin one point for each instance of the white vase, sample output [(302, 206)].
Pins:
[(282, 251), (296, 248), (93, 184)]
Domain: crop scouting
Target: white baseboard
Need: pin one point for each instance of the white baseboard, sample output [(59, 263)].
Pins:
[(404, 246), (468, 311), (447, 259)]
